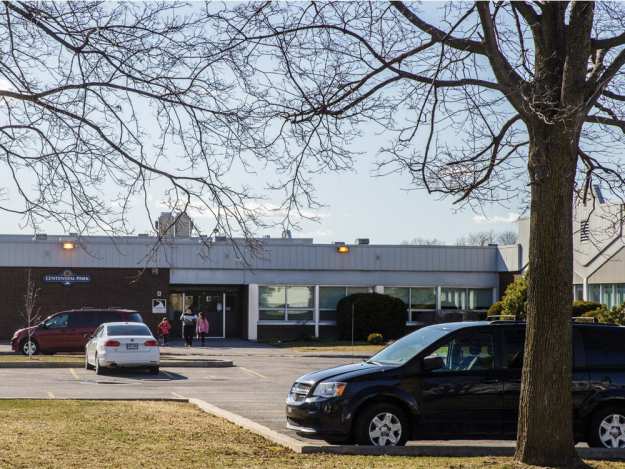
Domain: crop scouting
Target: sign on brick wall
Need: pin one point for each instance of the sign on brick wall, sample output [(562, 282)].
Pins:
[(67, 278)]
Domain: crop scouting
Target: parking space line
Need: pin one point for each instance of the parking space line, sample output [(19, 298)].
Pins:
[(256, 373), (74, 374), (179, 396), (50, 395)]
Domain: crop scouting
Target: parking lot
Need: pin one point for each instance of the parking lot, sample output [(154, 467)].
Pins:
[(256, 387)]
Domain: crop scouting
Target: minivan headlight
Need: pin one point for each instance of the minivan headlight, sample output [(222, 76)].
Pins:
[(330, 389)]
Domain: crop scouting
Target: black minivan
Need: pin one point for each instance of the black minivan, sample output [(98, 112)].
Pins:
[(458, 380)]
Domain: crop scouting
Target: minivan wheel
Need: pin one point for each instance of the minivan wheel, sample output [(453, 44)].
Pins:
[(607, 428), (382, 425), (34, 347)]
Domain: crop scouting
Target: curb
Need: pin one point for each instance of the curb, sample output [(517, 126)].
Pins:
[(163, 364)]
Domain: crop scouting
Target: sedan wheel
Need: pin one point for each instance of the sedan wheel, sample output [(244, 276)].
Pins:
[(98, 369), (88, 366)]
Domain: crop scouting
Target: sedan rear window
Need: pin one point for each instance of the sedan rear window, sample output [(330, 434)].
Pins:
[(128, 330)]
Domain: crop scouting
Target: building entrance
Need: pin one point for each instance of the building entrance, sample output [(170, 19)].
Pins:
[(220, 305)]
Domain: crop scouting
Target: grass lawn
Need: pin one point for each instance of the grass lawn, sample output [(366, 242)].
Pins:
[(341, 346), (19, 358), (95, 434)]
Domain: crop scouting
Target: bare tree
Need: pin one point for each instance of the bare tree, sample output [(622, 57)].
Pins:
[(484, 238), (479, 238), (106, 105), (485, 101), (31, 313), (507, 237), (424, 242)]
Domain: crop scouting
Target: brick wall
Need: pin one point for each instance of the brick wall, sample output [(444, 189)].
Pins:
[(125, 288)]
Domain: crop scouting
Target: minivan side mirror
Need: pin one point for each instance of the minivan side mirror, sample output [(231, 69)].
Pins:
[(433, 362), (43, 325)]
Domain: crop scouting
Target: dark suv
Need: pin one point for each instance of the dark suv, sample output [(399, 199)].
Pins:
[(458, 380), (68, 331)]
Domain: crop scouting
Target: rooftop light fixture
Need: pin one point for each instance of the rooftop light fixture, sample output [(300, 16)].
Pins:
[(342, 249)]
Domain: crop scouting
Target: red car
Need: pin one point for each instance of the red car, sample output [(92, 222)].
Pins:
[(68, 331)]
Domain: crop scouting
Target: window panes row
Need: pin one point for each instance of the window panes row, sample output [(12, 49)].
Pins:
[(609, 294), (297, 303)]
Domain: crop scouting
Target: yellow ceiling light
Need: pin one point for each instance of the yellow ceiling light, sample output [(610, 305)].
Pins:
[(68, 245), (342, 249)]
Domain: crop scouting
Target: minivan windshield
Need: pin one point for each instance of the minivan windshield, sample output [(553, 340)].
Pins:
[(409, 346)]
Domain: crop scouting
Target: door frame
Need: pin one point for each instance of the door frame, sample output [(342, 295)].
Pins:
[(223, 314)]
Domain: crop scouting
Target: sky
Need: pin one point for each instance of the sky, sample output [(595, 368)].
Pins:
[(354, 205)]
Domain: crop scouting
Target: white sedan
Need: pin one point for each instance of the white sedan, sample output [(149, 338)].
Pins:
[(122, 345)]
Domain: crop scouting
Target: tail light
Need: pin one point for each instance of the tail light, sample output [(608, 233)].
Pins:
[(111, 343), (150, 343)]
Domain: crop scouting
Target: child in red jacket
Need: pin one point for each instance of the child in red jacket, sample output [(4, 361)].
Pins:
[(163, 330)]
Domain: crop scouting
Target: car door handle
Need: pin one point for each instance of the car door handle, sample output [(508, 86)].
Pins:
[(491, 381)]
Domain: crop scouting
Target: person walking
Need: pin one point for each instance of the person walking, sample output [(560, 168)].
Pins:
[(163, 329), (188, 326), (201, 327)]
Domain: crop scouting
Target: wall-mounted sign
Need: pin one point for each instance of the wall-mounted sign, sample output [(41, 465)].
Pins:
[(159, 306), (67, 278)]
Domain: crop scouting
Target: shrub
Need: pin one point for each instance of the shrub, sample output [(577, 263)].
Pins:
[(375, 338), (514, 301), (580, 307), (615, 315), (372, 313), (495, 309)]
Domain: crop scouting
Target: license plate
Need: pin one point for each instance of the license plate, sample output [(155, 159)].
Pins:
[(132, 346)]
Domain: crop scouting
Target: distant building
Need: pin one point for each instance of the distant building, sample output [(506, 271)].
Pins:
[(288, 288), (598, 251)]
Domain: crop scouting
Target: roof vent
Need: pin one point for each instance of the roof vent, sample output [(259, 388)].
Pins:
[(143, 235), (286, 234), (362, 241), (40, 237)]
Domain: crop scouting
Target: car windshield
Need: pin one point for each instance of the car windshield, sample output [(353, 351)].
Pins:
[(128, 330), (135, 317), (409, 346)]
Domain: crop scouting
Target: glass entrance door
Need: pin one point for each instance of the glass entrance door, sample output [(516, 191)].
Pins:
[(213, 305)]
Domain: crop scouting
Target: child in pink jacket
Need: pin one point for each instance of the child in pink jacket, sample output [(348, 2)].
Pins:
[(201, 327)]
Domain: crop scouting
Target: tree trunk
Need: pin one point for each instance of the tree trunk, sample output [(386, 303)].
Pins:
[(545, 427)]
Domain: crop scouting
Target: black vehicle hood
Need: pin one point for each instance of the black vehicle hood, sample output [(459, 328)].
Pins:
[(344, 372)]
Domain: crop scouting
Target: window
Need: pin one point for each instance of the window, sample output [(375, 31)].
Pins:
[(594, 293), (604, 347), (468, 351), (286, 303), (480, 298), (578, 291), (609, 294), (328, 299), (128, 330), (416, 299), (330, 296), (514, 343), (88, 319), (57, 321), (453, 298)]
